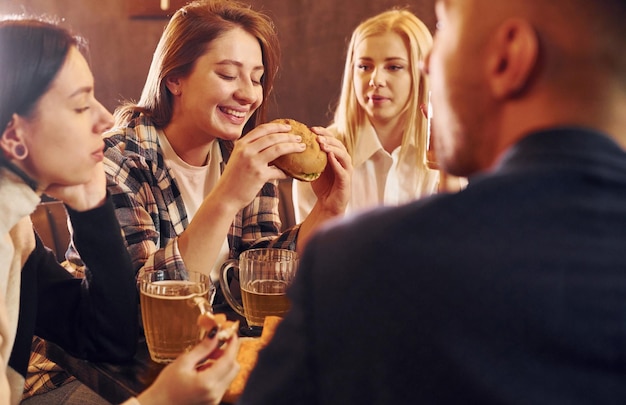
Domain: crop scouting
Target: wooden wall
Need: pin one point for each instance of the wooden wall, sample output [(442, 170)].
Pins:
[(313, 34)]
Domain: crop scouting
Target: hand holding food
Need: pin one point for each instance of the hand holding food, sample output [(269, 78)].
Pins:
[(201, 375), (217, 325), (307, 165)]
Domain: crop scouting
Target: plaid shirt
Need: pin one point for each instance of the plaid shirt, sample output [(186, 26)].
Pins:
[(150, 208), (43, 374)]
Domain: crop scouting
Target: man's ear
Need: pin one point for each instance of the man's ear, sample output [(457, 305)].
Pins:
[(513, 54)]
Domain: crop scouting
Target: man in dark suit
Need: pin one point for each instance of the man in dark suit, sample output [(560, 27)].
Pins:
[(512, 290)]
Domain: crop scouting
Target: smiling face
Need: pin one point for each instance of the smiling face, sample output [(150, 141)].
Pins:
[(382, 76), (223, 89), (63, 133)]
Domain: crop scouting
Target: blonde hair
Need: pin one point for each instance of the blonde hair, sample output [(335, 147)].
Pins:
[(350, 117), (186, 38)]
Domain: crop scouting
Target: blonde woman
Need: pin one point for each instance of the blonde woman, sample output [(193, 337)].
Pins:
[(378, 116)]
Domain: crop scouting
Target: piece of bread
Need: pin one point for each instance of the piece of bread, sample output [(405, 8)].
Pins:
[(307, 165)]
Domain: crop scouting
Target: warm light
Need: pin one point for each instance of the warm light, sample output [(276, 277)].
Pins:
[(429, 117), (165, 4)]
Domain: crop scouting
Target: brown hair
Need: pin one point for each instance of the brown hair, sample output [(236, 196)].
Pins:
[(185, 38), (32, 52)]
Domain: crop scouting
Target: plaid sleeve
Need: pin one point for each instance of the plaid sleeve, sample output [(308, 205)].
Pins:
[(43, 374), (260, 223), (141, 206)]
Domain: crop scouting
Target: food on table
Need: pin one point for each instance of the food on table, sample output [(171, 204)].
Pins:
[(247, 357)]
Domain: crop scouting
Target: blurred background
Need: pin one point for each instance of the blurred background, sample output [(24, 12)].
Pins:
[(314, 35)]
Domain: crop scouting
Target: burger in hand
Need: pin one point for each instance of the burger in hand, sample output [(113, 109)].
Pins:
[(307, 165)]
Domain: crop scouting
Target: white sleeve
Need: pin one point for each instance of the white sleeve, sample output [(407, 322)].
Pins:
[(303, 199)]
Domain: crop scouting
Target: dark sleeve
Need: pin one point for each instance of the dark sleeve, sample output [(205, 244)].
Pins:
[(39, 257), (96, 317)]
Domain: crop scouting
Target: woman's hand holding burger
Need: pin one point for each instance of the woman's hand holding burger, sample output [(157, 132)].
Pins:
[(332, 185), (325, 162), (306, 165), (250, 167)]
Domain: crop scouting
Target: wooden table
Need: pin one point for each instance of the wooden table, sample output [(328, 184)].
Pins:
[(114, 382), (118, 382)]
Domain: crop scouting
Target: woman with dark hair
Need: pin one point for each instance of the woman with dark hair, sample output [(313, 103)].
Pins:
[(190, 191), (51, 143)]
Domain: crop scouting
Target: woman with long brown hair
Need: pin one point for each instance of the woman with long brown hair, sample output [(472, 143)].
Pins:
[(190, 165)]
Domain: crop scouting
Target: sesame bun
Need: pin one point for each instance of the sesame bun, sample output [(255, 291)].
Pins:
[(307, 165)]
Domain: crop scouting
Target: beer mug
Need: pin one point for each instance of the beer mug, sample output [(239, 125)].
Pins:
[(264, 275), (170, 305)]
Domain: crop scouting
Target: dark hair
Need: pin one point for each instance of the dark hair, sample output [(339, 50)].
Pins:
[(32, 51), (186, 38)]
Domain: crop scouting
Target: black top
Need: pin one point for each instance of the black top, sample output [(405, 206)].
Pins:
[(95, 318)]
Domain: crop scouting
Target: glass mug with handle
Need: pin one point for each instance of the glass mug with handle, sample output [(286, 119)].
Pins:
[(170, 305), (264, 275)]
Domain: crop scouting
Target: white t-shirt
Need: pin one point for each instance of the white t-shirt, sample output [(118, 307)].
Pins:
[(195, 183)]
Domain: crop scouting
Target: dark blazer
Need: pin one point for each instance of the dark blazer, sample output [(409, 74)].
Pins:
[(512, 291)]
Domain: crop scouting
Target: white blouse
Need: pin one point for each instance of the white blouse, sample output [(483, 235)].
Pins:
[(376, 179)]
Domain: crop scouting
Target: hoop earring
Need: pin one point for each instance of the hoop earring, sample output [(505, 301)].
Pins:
[(19, 151)]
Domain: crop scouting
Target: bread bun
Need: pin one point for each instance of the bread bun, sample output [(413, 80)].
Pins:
[(307, 165)]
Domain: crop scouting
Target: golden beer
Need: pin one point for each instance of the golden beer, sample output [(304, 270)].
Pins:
[(169, 310), (262, 298), (264, 276)]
